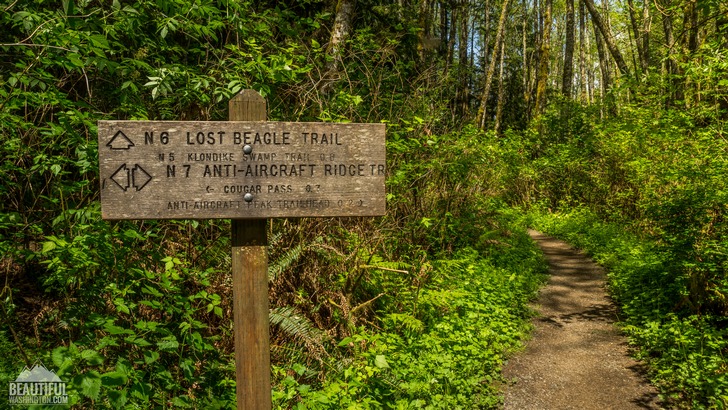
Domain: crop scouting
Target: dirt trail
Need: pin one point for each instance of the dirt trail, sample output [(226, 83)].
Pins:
[(577, 358)]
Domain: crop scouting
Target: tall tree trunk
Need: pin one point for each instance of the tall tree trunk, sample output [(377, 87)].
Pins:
[(690, 22), (342, 29), (444, 29), (424, 36), (485, 34), (501, 90), (463, 61), (482, 112), (637, 35), (543, 63), (606, 82), (451, 30), (568, 76), (607, 36), (646, 27), (526, 65), (452, 35), (591, 77), (674, 86), (582, 55)]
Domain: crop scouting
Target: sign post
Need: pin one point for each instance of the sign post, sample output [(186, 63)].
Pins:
[(247, 170), (250, 286)]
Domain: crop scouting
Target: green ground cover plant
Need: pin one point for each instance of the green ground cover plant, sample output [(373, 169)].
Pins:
[(446, 349)]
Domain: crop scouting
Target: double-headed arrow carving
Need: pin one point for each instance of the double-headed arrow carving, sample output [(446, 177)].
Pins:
[(135, 177)]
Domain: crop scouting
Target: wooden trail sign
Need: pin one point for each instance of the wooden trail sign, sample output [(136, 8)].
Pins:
[(240, 169), (247, 170)]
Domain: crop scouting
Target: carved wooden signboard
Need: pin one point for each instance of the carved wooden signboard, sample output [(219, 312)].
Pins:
[(240, 169)]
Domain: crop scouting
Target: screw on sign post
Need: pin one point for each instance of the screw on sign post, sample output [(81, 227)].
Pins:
[(248, 170), (250, 286)]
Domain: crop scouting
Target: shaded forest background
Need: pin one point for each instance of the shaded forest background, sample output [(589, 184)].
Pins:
[(611, 116)]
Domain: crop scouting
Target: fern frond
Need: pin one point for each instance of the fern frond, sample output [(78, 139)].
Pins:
[(274, 238), (300, 330), (376, 261), (284, 262), (295, 325)]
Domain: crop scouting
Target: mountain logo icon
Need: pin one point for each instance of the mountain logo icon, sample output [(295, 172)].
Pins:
[(37, 385), (38, 373)]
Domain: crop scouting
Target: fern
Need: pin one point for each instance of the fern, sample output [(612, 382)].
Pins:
[(284, 262), (300, 331), (295, 325), (376, 261)]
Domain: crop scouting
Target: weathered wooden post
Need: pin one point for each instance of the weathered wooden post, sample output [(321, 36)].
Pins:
[(250, 286), (246, 170)]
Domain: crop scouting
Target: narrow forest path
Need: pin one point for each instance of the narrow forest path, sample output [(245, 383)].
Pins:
[(577, 359)]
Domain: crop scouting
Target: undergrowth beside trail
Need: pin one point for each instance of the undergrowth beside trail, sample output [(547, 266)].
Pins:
[(445, 350), (685, 350)]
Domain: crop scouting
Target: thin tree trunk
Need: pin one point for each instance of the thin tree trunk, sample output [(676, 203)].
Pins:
[(590, 84), (543, 63), (646, 27), (607, 36), (425, 32), (444, 29), (582, 55), (674, 91), (482, 112), (501, 91), (606, 82), (342, 29), (691, 23), (463, 61), (637, 35), (557, 36), (453, 24), (526, 66), (486, 34), (567, 83)]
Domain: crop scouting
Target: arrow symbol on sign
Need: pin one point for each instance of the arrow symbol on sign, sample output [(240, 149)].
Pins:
[(120, 141), (121, 177), (140, 178)]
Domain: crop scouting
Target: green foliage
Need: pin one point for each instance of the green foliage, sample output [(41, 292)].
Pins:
[(658, 172), (137, 295), (685, 351), (645, 193), (444, 353), (8, 366), (138, 314), (154, 341), (446, 185)]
